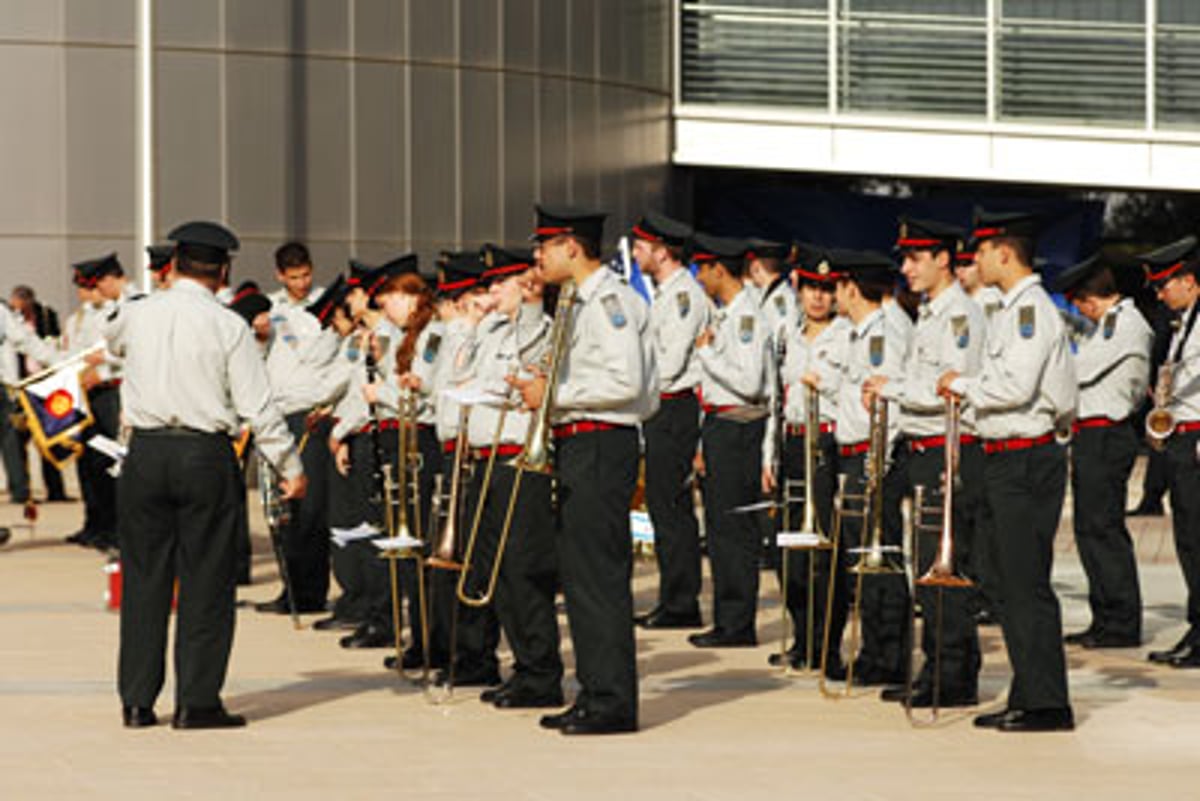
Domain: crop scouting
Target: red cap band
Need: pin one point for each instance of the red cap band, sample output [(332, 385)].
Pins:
[(642, 233), (507, 269), (1164, 274)]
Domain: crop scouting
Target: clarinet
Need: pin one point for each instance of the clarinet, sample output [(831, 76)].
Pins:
[(377, 474)]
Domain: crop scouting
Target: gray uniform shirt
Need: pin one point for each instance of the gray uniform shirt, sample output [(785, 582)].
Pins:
[(1185, 393), (678, 313), (949, 335), (1113, 363), (873, 347), (1026, 385), (352, 411), (608, 371), (192, 363), (16, 337), (280, 299), (298, 355), (505, 346), (735, 365), (780, 309)]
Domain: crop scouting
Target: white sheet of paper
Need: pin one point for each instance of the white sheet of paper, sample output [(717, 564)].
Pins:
[(398, 543), (109, 447)]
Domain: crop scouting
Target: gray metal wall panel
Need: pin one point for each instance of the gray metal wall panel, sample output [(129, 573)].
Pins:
[(258, 120), (552, 36), (380, 137), (584, 27), (612, 156), (379, 27), (100, 141), (98, 20), (554, 156), (479, 26), (585, 143), (324, 25), (186, 22), (321, 172), (189, 137), (612, 39), (434, 184), (31, 19), (520, 39), (479, 190), (432, 30), (520, 157), (40, 263), (259, 24), (86, 247), (31, 158)]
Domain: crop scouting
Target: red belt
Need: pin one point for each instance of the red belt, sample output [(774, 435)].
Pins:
[(1015, 443), (939, 441), (1095, 422), (113, 384), (1188, 427), (683, 393), (711, 409), (584, 427), (503, 450), (856, 448), (794, 430), (449, 446), (382, 425)]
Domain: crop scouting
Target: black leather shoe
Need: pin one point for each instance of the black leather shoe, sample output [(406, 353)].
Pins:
[(872, 676), (138, 717), (895, 693), (1189, 658), (490, 695), (5, 535), (335, 623), (412, 659), (1172, 653), (1079, 637), (560, 719), (1039, 720), (474, 676), (923, 698), (83, 537), (587, 723), (662, 619), (1144, 509), (835, 670), (206, 718), (1105, 640), (794, 659), (717, 639), (517, 698), (279, 606), (369, 636), (993, 720), (986, 617)]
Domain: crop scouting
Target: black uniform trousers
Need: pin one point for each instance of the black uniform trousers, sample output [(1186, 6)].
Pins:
[(12, 452), (960, 657), (1025, 495), (98, 487), (528, 579), (1183, 474), (306, 539), (799, 561), (345, 511), (179, 505), (597, 473), (732, 472), (671, 436), (1101, 461), (885, 649)]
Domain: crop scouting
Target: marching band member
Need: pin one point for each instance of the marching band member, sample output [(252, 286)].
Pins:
[(1113, 367), (678, 313), (1023, 393), (734, 353), (608, 384)]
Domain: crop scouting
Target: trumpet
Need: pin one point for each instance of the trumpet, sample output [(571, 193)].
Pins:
[(445, 553), (1160, 422), (535, 456), (873, 558)]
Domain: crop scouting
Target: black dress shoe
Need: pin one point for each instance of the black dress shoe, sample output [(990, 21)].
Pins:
[(1103, 639), (59, 498), (560, 719), (895, 693), (1078, 637), (718, 639), (835, 670), (873, 676), (793, 657), (587, 723), (986, 617), (83, 537), (1189, 658), (518, 698), (138, 717), (1039, 720), (947, 697), (662, 619), (470, 676), (369, 636), (335, 623), (206, 718), (490, 695), (413, 659), (5, 535), (1175, 651), (993, 720), (1145, 509), (279, 606)]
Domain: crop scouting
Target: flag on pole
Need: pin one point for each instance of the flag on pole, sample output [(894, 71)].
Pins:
[(57, 411)]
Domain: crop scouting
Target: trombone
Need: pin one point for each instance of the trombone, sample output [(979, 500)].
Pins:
[(535, 456), (941, 573)]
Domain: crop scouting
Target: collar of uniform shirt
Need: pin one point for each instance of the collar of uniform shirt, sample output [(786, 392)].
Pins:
[(939, 304), (190, 286), (673, 278), (592, 284), (1013, 295), (865, 324)]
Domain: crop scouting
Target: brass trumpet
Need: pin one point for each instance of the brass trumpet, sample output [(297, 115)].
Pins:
[(535, 456), (1160, 422), (444, 555)]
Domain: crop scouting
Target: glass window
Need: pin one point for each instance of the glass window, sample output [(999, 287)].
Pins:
[(1178, 68)]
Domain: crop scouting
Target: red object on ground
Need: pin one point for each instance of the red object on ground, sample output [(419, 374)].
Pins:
[(112, 595)]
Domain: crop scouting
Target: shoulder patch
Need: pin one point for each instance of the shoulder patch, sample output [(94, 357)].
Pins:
[(961, 330), (684, 301), (1026, 321), (781, 304), (432, 346), (746, 327), (875, 350), (614, 310), (1110, 324), (990, 309)]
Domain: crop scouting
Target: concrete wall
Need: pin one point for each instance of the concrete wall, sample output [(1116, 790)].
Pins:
[(363, 127)]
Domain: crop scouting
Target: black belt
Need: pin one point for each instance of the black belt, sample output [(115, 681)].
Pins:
[(179, 431)]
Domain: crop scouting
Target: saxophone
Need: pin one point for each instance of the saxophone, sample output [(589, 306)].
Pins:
[(1160, 422)]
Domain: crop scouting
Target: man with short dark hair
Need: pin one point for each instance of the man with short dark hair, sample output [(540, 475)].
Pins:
[(294, 269)]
